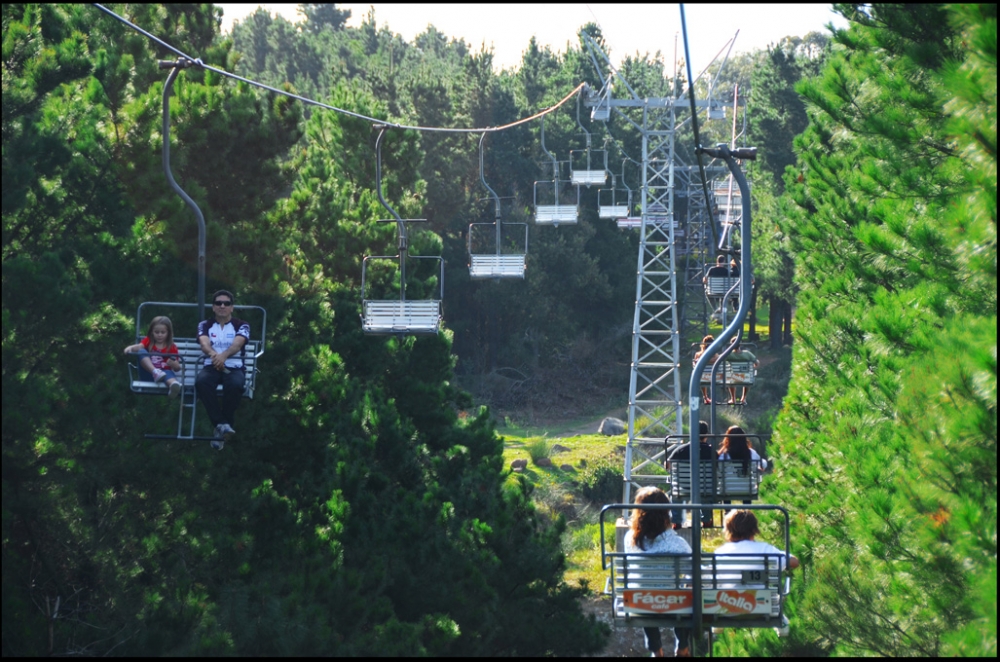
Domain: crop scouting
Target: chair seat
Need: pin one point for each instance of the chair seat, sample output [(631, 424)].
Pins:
[(589, 177), (496, 266), (411, 317), (612, 211), (555, 214), (192, 360)]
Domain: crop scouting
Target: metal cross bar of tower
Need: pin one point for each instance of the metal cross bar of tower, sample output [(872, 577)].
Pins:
[(655, 395)]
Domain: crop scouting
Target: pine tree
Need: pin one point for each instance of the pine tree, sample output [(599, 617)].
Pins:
[(895, 373)]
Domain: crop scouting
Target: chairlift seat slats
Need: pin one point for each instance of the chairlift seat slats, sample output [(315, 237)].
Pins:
[(737, 373), (613, 211), (728, 477), (717, 286), (395, 316), (496, 266), (192, 359), (738, 590), (589, 177), (556, 214)]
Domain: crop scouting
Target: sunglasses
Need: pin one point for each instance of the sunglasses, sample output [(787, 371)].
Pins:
[(222, 304)]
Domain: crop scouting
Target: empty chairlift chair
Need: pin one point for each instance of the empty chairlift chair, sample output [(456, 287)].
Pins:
[(615, 203), (583, 169), (557, 202), (398, 315), (496, 264)]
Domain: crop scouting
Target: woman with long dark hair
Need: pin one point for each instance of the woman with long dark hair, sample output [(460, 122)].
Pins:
[(736, 446), (650, 531)]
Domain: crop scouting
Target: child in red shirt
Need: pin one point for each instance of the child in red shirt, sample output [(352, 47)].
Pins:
[(153, 351)]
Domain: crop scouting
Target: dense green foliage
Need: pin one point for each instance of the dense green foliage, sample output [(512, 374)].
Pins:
[(362, 510), (888, 435)]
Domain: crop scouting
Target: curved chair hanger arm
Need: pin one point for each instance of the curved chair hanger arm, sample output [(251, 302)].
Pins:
[(482, 178), (582, 128), (175, 68), (378, 186)]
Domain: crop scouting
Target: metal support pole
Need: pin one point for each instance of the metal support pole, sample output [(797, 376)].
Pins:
[(720, 343)]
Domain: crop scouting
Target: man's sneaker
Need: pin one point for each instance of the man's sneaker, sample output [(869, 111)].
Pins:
[(175, 390), (218, 443), (158, 375), (227, 431)]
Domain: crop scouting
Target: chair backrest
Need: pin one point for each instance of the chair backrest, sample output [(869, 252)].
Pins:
[(192, 360), (680, 478), (738, 479), (717, 286), (733, 585), (740, 373)]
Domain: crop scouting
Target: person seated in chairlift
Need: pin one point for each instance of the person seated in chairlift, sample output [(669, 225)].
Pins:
[(718, 271), (740, 529), (737, 355), (650, 531), (155, 352), (223, 339), (736, 446), (705, 452), (705, 342)]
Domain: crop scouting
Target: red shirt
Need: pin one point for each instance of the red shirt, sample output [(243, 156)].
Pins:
[(158, 360)]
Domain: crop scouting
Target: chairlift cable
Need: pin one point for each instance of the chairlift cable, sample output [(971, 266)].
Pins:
[(697, 138), (222, 72)]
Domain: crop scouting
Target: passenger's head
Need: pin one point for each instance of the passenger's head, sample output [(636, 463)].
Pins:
[(740, 525), (222, 304), (707, 340), (721, 260), (703, 429), (648, 524), (735, 438), (161, 330)]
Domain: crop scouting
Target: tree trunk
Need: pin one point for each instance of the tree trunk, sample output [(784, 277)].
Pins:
[(774, 318), (754, 336), (786, 337)]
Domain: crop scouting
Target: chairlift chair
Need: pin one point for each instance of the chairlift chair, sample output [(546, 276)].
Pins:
[(190, 353), (601, 110), (398, 316), (550, 206), (609, 201), (582, 170), (192, 359), (497, 264), (655, 589)]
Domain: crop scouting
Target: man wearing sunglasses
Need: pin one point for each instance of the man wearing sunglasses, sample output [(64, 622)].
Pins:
[(223, 338)]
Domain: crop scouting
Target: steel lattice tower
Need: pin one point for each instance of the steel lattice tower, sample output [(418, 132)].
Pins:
[(655, 388)]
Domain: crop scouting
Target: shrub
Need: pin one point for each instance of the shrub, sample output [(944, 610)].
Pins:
[(539, 448), (601, 482)]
